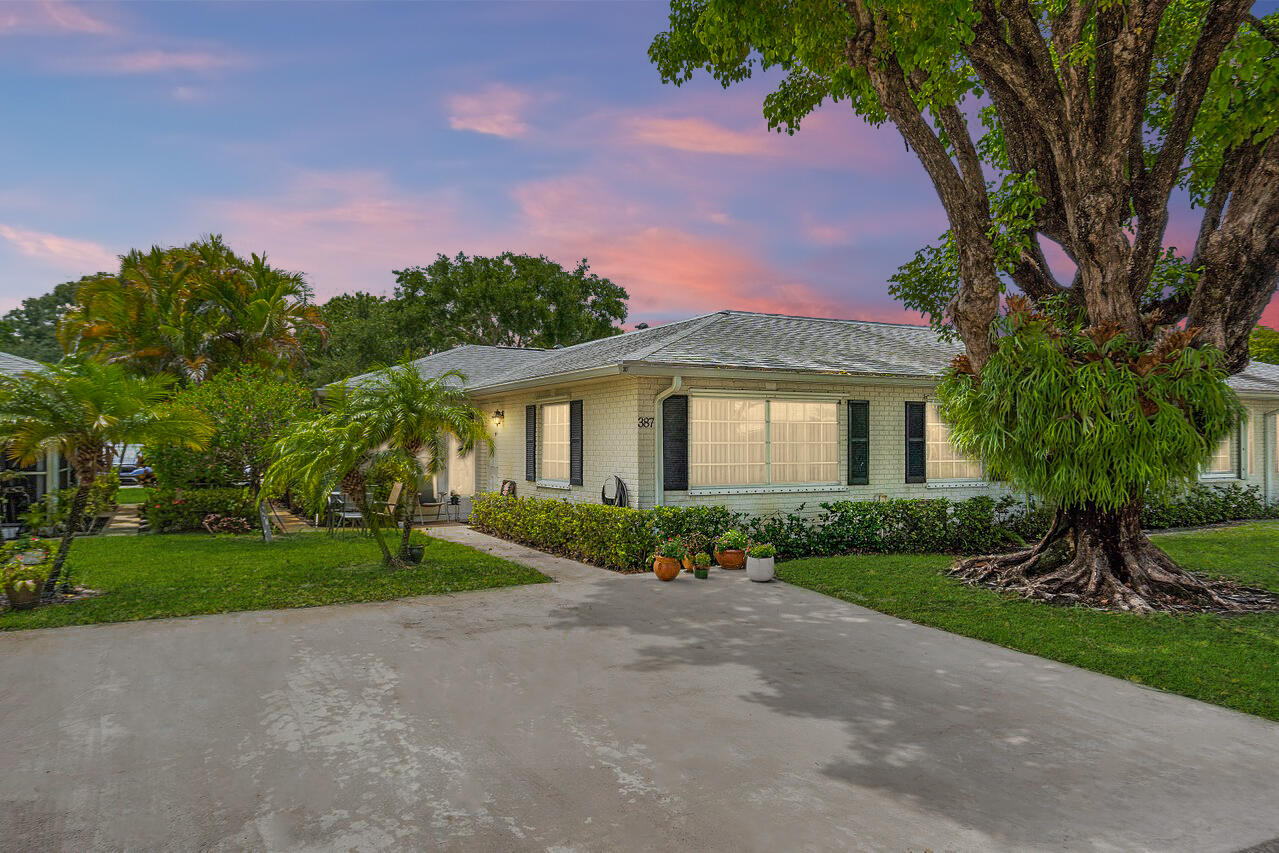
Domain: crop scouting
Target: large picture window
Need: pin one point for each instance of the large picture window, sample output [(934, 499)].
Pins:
[(555, 441), (944, 461), (752, 442)]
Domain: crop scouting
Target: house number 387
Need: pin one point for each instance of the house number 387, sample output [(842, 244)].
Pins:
[(646, 423)]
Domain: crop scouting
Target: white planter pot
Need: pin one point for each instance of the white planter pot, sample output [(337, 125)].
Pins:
[(759, 569)]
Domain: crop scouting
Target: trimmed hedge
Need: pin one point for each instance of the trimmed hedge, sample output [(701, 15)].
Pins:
[(613, 537), (175, 510), (625, 539)]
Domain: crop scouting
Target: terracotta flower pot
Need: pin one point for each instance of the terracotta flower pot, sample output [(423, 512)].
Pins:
[(687, 562), (666, 568), (733, 558)]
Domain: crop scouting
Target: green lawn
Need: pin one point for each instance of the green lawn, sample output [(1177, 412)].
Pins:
[(148, 577), (131, 495), (1231, 661)]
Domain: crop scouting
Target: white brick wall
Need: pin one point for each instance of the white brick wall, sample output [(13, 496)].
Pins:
[(614, 443)]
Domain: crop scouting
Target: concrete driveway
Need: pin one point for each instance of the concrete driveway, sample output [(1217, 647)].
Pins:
[(603, 713)]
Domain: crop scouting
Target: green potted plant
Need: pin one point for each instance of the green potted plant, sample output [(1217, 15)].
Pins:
[(701, 565), (759, 562), (666, 561), (694, 543), (730, 550), (22, 574)]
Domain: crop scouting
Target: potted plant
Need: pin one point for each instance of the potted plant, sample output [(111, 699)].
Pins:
[(759, 562), (22, 575), (730, 550), (694, 543), (701, 565), (666, 561), (414, 553)]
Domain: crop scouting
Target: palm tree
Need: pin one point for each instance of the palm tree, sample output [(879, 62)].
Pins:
[(395, 428), (414, 416), (192, 310), (86, 410)]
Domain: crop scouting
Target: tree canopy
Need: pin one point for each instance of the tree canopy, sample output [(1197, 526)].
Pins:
[(31, 329), (1091, 115), (190, 311), (1263, 345), (509, 300)]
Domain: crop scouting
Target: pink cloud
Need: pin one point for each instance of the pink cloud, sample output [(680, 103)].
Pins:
[(65, 254), (668, 271), (496, 110), (51, 16), (156, 61), (697, 135)]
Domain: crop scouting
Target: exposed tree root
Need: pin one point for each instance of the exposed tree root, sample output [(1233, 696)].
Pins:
[(1103, 559)]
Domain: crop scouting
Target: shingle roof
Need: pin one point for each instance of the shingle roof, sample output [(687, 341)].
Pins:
[(480, 364), (16, 363), (743, 340)]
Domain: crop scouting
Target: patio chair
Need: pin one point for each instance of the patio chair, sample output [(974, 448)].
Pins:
[(342, 512), (428, 503), (388, 509)]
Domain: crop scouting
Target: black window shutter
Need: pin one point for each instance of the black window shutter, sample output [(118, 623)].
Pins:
[(575, 443), (675, 443), (916, 453), (858, 442), (530, 443)]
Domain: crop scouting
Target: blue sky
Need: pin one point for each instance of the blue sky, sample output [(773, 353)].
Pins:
[(348, 140)]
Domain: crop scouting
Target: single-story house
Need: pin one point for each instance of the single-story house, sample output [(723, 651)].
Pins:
[(48, 473), (759, 412)]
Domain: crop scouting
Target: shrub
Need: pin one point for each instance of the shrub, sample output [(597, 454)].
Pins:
[(50, 514), (702, 560), (762, 551), (733, 540), (1206, 504), (617, 538), (173, 510), (709, 521)]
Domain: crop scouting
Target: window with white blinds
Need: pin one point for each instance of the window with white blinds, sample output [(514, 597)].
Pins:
[(555, 440), (944, 461), (1224, 462), (745, 442), (805, 442)]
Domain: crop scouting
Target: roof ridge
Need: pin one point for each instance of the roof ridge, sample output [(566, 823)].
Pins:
[(693, 326), (823, 319)]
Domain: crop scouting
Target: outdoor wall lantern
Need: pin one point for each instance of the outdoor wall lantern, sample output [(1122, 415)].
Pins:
[(498, 417)]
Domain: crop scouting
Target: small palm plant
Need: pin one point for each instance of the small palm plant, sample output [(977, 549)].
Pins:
[(86, 410), (394, 428)]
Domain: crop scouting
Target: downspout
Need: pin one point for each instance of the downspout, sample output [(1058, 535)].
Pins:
[(1268, 442), (659, 487)]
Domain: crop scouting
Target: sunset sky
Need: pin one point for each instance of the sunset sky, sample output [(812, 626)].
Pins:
[(348, 140)]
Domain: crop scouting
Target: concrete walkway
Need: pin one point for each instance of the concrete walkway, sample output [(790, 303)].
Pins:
[(603, 712)]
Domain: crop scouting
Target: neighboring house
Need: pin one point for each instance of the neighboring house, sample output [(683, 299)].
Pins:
[(759, 412), (47, 474)]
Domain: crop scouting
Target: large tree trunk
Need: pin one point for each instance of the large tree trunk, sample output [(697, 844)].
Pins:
[(75, 517), (1102, 558)]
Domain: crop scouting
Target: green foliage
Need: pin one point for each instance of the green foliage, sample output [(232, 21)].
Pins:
[(1263, 345), (17, 574), (1090, 419), (171, 510), (732, 540), (707, 522), (618, 538), (702, 560), (51, 512), (672, 549), (190, 311), (510, 300), (31, 329), (1205, 504), (250, 408), (762, 551), (364, 331)]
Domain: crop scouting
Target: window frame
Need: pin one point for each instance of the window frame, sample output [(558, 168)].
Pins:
[(769, 485), (544, 434), (1235, 472)]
